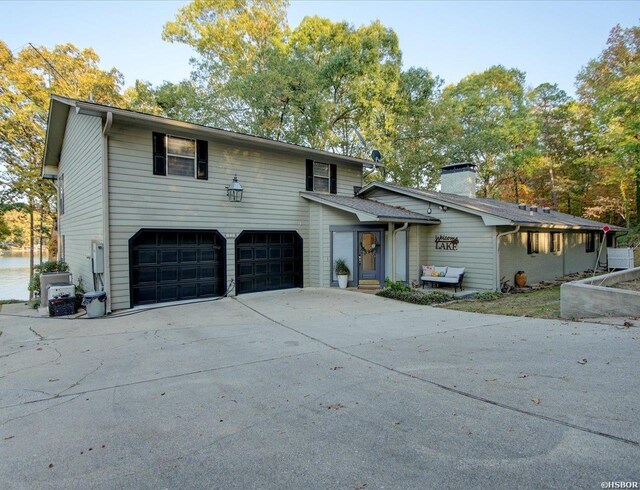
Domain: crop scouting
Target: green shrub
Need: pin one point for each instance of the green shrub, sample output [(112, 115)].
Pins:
[(396, 286), (416, 296), (631, 239), (341, 267), (488, 296), (45, 267)]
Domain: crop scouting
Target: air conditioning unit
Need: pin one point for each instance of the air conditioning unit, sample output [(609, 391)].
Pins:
[(620, 258), (60, 289)]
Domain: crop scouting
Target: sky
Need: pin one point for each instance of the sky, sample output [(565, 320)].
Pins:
[(550, 41)]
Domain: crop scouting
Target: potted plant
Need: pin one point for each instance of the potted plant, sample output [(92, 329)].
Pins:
[(342, 272), (521, 279)]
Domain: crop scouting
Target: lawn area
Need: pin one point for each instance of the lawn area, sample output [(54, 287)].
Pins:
[(10, 301), (542, 303)]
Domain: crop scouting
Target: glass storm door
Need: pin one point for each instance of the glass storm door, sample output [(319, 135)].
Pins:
[(369, 257)]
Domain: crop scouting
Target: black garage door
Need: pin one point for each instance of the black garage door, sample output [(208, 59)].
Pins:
[(176, 265), (267, 260)]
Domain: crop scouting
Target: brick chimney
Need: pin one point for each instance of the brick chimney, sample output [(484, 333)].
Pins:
[(459, 178)]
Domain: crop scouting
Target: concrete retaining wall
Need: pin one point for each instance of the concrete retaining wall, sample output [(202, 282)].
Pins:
[(592, 298)]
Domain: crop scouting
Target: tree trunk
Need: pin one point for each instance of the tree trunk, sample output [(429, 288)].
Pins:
[(554, 194), (41, 231), (637, 192), (516, 189), (31, 245)]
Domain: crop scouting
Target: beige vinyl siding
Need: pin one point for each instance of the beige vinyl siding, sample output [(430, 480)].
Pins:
[(576, 259), (545, 265), (81, 165), (138, 199), (475, 252), (321, 218)]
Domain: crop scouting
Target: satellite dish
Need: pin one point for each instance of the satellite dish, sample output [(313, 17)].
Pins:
[(376, 156)]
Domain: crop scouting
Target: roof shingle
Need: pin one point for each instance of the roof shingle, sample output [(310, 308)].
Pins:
[(505, 210)]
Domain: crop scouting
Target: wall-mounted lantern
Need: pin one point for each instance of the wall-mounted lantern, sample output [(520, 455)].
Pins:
[(234, 191)]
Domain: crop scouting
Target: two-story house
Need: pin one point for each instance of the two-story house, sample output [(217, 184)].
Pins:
[(146, 214)]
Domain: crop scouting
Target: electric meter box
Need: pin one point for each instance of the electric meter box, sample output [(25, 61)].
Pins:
[(97, 257)]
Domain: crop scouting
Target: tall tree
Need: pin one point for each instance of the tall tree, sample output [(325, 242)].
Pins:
[(319, 85), (492, 127), (26, 82), (610, 86), (423, 130), (550, 111)]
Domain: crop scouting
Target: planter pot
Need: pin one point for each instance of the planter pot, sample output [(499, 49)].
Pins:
[(521, 279), (343, 281)]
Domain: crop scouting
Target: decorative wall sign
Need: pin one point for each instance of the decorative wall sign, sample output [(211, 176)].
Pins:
[(446, 242)]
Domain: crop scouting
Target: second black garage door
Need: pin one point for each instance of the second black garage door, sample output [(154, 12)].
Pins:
[(268, 260)]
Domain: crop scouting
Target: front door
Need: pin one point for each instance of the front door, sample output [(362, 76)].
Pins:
[(369, 258)]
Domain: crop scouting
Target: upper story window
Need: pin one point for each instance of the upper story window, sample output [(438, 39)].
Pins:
[(322, 177), (183, 157), (533, 242)]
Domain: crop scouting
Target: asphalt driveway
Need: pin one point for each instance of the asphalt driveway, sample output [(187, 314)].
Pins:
[(316, 388)]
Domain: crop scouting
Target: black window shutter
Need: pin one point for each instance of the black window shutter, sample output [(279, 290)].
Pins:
[(159, 154), (202, 154), (333, 179), (309, 175)]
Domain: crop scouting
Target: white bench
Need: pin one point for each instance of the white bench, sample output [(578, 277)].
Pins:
[(453, 276)]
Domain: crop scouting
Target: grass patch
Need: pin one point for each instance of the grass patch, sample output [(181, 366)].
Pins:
[(415, 296), (10, 302), (541, 303)]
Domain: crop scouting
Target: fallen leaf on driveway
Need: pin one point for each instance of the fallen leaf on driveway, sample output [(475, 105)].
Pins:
[(523, 376), (9, 437), (336, 406), (584, 361), (492, 379), (536, 400), (628, 324)]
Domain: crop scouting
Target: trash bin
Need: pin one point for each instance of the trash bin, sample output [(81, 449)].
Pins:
[(95, 302)]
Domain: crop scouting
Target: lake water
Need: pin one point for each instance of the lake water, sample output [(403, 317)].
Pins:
[(14, 275)]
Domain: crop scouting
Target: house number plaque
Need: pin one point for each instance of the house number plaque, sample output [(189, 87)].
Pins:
[(446, 242)]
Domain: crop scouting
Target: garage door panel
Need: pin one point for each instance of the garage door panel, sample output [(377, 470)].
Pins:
[(188, 273), (268, 260), (168, 274), (146, 294), (146, 257), (142, 276), (188, 256), (168, 239), (206, 255), (176, 265)]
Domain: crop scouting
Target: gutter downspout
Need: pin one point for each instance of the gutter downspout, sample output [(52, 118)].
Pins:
[(105, 207), (393, 249), (498, 237)]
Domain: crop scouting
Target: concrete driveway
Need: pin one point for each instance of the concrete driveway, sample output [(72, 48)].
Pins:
[(316, 389)]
